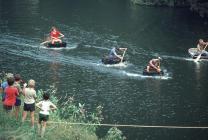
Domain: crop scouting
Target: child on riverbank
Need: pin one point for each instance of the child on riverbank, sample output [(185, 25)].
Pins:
[(11, 93), (45, 106), (17, 105)]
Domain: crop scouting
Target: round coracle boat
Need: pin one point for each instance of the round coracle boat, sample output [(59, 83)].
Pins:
[(194, 53), (111, 61), (56, 45), (152, 73)]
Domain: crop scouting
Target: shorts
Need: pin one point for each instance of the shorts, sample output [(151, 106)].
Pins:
[(7, 108), (3, 97), (29, 107), (43, 117), (18, 102)]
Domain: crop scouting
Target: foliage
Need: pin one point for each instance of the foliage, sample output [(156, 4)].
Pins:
[(200, 6), (162, 2), (114, 134), (11, 129)]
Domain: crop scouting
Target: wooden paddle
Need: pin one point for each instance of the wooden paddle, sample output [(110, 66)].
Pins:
[(123, 56), (45, 42), (199, 56), (160, 70), (49, 40)]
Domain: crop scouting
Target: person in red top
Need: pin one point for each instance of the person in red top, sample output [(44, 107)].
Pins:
[(55, 35), (11, 93)]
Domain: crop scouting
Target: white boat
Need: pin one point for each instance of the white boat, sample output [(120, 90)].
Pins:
[(194, 53)]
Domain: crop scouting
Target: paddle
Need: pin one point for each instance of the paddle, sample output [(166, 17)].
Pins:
[(45, 42), (160, 70), (123, 56), (49, 40), (199, 56)]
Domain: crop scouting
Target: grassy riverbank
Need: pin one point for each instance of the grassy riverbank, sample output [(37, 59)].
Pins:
[(12, 129)]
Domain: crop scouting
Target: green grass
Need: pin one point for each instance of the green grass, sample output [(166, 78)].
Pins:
[(12, 129)]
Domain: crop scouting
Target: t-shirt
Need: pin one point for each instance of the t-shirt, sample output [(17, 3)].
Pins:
[(45, 106), (113, 52), (4, 85), (17, 85), (55, 34), (30, 95), (11, 93)]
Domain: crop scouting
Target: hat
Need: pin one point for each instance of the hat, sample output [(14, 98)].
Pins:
[(9, 75)]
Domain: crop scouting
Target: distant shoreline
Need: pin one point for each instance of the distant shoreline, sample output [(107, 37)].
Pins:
[(200, 8), (161, 3)]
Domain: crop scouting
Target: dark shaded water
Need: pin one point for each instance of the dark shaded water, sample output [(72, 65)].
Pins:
[(91, 28)]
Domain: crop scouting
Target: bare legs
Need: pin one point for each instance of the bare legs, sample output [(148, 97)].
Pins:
[(32, 118), (24, 116), (148, 67), (56, 40), (17, 108), (41, 131)]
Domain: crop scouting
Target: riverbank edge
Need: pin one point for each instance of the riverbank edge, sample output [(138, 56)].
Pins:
[(161, 3), (199, 8), (57, 127)]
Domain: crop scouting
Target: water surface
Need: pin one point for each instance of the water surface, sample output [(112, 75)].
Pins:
[(91, 29)]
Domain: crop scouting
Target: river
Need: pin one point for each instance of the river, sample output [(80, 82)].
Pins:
[(91, 29)]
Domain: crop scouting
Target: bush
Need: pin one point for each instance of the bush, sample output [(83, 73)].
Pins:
[(68, 112)]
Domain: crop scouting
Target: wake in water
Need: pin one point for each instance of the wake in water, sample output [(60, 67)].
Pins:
[(166, 76), (173, 57), (17, 40), (22, 41), (68, 47), (119, 65), (183, 58), (22, 47), (122, 69), (92, 46)]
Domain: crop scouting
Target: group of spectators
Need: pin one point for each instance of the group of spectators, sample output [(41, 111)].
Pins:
[(13, 89)]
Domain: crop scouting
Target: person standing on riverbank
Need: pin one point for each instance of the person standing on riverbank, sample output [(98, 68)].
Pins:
[(11, 93), (45, 106), (17, 82), (5, 84), (29, 101)]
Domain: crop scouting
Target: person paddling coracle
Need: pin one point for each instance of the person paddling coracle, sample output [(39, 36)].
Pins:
[(55, 35), (154, 65), (201, 46), (113, 53)]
